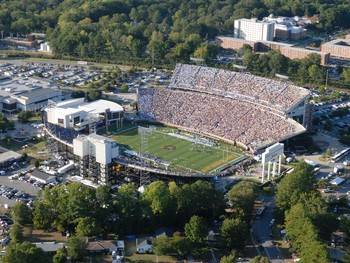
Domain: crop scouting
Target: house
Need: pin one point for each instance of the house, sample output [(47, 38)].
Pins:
[(50, 247), (43, 177), (164, 232), (144, 245), (105, 246), (212, 238)]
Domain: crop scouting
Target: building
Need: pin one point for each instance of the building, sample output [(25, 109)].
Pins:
[(42, 177), (28, 93), (45, 47), (96, 154), (338, 48), (253, 102), (227, 42), (300, 53), (105, 246), (50, 247), (287, 50), (7, 158), (144, 245), (253, 29), (288, 28), (65, 123), (76, 114), (288, 31)]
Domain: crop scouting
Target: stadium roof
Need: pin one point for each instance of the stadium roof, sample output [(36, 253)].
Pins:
[(94, 107), (100, 106)]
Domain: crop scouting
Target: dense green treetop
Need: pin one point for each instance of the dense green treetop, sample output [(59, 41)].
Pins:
[(24, 253), (151, 29), (293, 185)]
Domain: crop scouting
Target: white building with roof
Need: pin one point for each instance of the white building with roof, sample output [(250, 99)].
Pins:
[(253, 29), (95, 153), (77, 114), (29, 94)]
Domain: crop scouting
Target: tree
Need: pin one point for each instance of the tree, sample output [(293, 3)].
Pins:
[(176, 246), (304, 236), (328, 153), (16, 233), (60, 256), (23, 253), (242, 196), (76, 248), (207, 52), (94, 94), (228, 259), (125, 88), (199, 198), (21, 213), (158, 201), (196, 230), (328, 125), (5, 124), (346, 74), (260, 259), (233, 233), (41, 215), (128, 208), (86, 227), (78, 94), (24, 116), (289, 191)]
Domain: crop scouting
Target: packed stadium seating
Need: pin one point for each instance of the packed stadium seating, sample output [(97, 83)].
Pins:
[(272, 93), (237, 107), (62, 134)]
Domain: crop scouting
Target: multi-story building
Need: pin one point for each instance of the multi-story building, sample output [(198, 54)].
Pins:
[(338, 48), (288, 31), (287, 50), (253, 29), (26, 93), (235, 43), (94, 154)]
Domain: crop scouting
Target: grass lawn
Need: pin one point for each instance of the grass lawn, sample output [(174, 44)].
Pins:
[(148, 258), (36, 235), (10, 145), (178, 152)]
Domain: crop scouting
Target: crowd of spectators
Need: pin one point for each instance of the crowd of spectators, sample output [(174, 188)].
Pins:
[(60, 133), (229, 118), (270, 93)]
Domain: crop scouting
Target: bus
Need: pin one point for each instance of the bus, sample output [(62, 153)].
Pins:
[(340, 155)]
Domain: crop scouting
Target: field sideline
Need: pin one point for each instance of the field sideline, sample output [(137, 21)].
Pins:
[(179, 152)]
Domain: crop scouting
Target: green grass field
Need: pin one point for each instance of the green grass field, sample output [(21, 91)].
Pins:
[(179, 152)]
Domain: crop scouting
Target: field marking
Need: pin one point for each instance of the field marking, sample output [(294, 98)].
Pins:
[(216, 164), (207, 169)]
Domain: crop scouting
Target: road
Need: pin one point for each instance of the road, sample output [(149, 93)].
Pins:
[(261, 231)]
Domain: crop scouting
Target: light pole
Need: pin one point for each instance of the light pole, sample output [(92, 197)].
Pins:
[(326, 79)]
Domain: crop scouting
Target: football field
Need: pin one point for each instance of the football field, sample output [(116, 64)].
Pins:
[(185, 153)]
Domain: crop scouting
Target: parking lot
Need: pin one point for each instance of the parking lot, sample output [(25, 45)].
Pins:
[(12, 187)]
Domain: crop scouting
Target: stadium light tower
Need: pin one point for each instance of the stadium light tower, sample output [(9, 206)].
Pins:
[(145, 133)]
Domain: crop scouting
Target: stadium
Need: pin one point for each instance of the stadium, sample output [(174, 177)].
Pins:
[(202, 125), (244, 110)]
